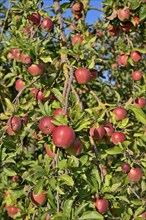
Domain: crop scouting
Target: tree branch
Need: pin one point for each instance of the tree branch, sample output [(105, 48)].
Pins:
[(77, 97)]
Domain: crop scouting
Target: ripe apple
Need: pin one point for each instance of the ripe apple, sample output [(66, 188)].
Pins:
[(114, 66), (136, 19), (25, 59), (113, 31), (76, 148), (120, 113), (125, 167), (135, 55), (77, 39), (97, 132), (82, 75), (45, 125), (24, 119), (35, 69), (93, 75), (118, 137), (48, 217), (101, 205), (34, 18), (140, 102), (49, 152), (122, 59), (99, 33), (77, 7), (40, 96), (143, 215), (26, 30), (135, 174), (63, 136), (19, 84), (12, 210), (47, 24), (136, 75), (78, 16), (127, 26), (14, 125), (38, 199), (72, 27), (123, 14), (16, 53), (109, 130), (15, 178), (59, 111)]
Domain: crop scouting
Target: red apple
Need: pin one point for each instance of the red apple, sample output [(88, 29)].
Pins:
[(143, 215), (72, 27), (34, 91), (25, 59), (136, 75), (77, 7), (49, 152), (120, 113), (123, 14), (40, 95), (135, 55), (34, 18), (15, 178), (99, 33), (14, 125), (127, 26), (76, 148), (140, 102), (113, 31), (136, 19), (47, 24), (36, 69), (114, 66), (125, 167), (19, 84), (109, 130), (59, 111), (38, 199), (135, 174), (122, 59), (93, 75), (118, 137), (77, 39), (46, 126), (97, 132), (101, 205), (63, 136), (15, 53), (78, 16), (24, 119), (26, 30), (12, 210), (48, 217), (82, 75)]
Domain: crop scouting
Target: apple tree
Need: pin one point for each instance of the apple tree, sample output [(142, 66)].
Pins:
[(72, 110)]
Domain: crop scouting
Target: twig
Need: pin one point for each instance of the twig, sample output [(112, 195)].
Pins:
[(130, 188), (94, 148), (67, 93), (77, 97), (93, 93)]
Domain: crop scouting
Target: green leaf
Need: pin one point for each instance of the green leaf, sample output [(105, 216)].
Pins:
[(9, 104), (79, 209), (66, 179), (58, 94), (139, 114), (142, 13), (91, 215), (114, 150), (39, 187), (115, 186), (67, 207), (9, 172), (46, 59)]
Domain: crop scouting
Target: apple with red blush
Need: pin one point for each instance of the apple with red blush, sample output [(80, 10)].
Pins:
[(39, 198), (125, 167), (120, 113), (118, 137), (140, 102), (122, 60), (19, 84), (123, 14), (101, 205), (34, 18), (135, 174), (97, 132), (47, 24), (77, 39), (82, 75), (46, 125), (135, 55), (76, 148)]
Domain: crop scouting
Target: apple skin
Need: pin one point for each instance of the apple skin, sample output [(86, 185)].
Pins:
[(35, 69), (25, 59), (38, 94), (109, 130), (63, 136), (93, 75), (122, 60), (45, 125), (97, 132), (26, 30), (82, 75), (49, 152), (135, 174), (47, 24), (99, 33), (118, 137), (123, 14), (15, 178), (143, 215), (136, 75), (120, 113), (101, 205), (140, 102), (114, 66), (125, 167), (10, 56), (76, 148), (135, 55), (19, 84), (113, 31), (59, 111), (77, 39), (77, 7), (14, 125), (12, 210), (136, 19), (48, 217), (16, 53), (34, 18), (127, 26), (38, 199), (72, 27), (24, 119)]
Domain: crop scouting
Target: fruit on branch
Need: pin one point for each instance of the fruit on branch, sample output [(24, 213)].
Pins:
[(114, 66), (16, 53), (77, 7), (97, 132), (137, 20), (47, 24), (93, 75), (135, 55), (76, 148), (10, 56), (135, 174), (77, 39), (14, 125), (19, 84), (12, 210), (118, 137), (123, 14), (122, 59), (120, 113), (113, 31), (48, 217), (15, 178), (99, 33), (24, 119), (49, 152), (36, 69), (59, 111), (72, 27), (78, 16), (109, 130), (101, 205), (39, 95), (140, 102), (143, 215), (34, 18), (127, 26), (136, 75), (26, 30), (38, 199), (63, 136), (46, 126), (125, 167), (25, 59), (82, 75)]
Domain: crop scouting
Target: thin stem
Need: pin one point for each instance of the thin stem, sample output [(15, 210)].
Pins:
[(93, 93), (67, 93), (94, 148)]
